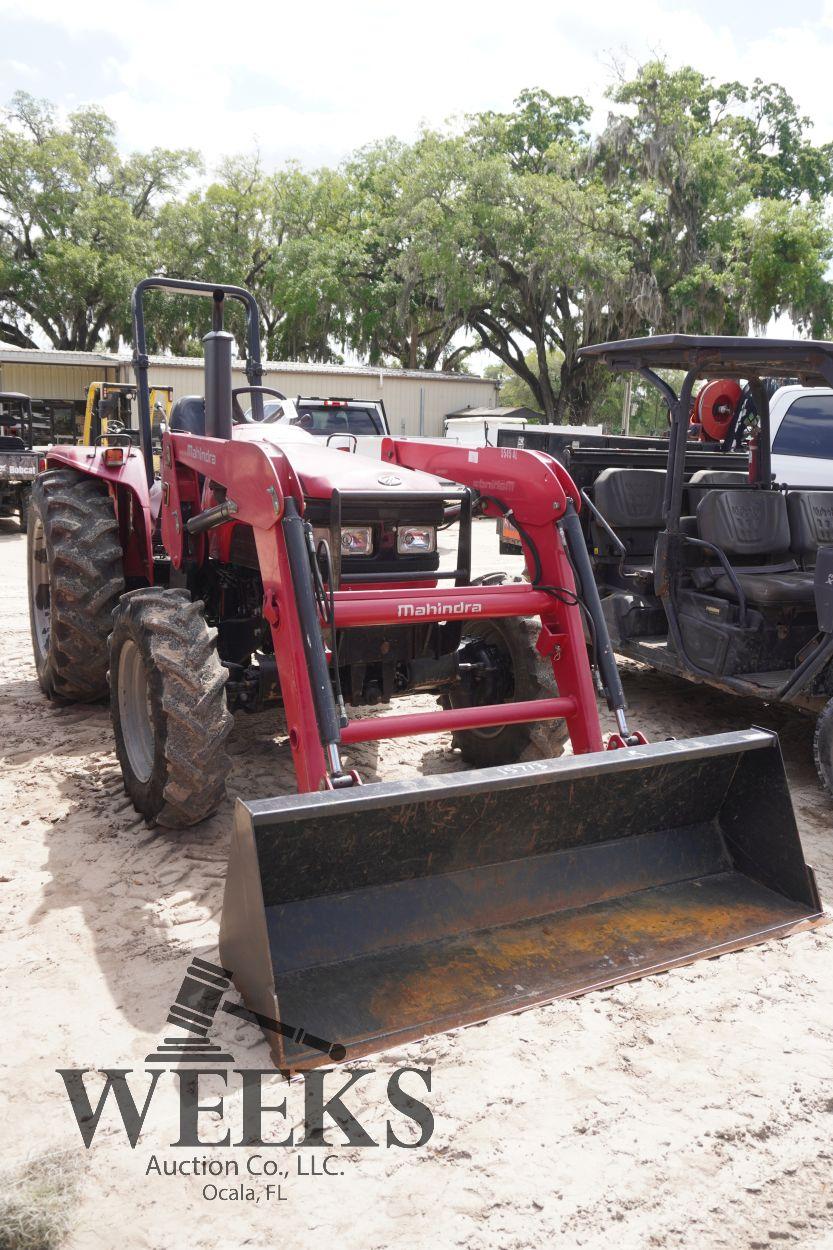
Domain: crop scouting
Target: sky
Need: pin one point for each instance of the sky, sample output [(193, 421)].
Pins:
[(314, 81)]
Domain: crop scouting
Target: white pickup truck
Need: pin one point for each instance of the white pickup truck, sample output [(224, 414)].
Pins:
[(801, 424), (330, 418)]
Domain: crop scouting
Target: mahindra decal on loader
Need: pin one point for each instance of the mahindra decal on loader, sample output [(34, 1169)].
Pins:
[(262, 568)]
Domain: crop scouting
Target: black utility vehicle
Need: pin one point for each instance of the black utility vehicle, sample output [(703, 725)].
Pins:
[(721, 576)]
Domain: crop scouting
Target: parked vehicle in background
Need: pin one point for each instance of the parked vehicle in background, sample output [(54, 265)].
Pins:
[(725, 576), (482, 431), (801, 423), (110, 409), (18, 460), (327, 417)]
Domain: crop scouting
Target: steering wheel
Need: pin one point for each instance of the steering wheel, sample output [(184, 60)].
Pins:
[(238, 416)]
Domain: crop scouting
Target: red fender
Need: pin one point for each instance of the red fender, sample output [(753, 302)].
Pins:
[(131, 499)]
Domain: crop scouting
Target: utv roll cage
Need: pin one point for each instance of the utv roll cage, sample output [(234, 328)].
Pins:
[(702, 356), (17, 408)]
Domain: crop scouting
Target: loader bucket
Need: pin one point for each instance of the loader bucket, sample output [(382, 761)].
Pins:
[(355, 920)]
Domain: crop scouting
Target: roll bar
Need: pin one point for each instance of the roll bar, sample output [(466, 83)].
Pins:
[(217, 293)]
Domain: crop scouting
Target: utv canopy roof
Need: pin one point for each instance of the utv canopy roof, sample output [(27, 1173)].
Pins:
[(809, 360)]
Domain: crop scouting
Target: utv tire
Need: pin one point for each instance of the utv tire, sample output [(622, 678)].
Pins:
[(23, 510), (527, 675), (75, 579), (168, 704), (823, 747)]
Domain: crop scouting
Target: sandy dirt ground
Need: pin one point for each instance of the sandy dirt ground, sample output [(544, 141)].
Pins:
[(691, 1109)]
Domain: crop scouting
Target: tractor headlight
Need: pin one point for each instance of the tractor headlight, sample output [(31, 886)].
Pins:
[(357, 540), (416, 540)]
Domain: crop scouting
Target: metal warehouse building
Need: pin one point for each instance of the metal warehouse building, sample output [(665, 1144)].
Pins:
[(416, 401)]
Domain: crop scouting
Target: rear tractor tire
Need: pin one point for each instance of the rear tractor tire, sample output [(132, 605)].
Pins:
[(519, 672), (823, 747), (168, 704), (75, 579)]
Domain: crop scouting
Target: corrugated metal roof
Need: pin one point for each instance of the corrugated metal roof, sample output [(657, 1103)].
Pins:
[(36, 356)]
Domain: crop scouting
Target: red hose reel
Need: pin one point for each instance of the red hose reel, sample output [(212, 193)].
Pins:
[(714, 408)]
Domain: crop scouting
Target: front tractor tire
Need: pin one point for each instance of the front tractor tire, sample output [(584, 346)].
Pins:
[(75, 579), (168, 704), (510, 670)]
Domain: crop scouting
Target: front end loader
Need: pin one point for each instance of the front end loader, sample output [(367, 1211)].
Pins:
[(357, 916)]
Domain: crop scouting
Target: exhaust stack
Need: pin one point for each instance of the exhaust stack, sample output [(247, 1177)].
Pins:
[(217, 347)]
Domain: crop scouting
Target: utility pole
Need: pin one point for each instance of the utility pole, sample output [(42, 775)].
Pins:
[(626, 405)]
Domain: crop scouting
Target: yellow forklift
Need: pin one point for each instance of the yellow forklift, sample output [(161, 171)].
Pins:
[(109, 409)]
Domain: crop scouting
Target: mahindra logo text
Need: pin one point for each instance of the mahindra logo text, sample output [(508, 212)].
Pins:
[(199, 453), (439, 609)]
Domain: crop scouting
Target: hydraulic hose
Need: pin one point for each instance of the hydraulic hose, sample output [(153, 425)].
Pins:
[(605, 659), (326, 712)]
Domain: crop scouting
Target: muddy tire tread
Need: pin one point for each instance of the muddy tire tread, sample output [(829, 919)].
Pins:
[(182, 662), (87, 579)]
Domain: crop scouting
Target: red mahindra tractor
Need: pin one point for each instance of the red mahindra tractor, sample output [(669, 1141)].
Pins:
[(263, 567)]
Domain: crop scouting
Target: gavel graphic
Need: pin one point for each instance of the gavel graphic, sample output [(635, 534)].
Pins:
[(195, 1007)]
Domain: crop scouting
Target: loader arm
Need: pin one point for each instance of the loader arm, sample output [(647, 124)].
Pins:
[(258, 478)]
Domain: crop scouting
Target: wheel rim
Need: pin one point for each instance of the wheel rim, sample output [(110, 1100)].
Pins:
[(488, 649), (40, 592), (135, 711)]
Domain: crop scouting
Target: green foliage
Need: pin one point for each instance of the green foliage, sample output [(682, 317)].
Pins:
[(700, 207), (404, 286), (723, 175), (781, 256), (277, 235), (76, 224)]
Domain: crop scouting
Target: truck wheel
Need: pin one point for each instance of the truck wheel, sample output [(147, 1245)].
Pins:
[(23, 509), (513, 671), (168, 704), (823, 747), (75, 579)]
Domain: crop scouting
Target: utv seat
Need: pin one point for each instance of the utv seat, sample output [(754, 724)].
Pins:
[(631, 501), (811, 523), (188, 415), (704, 480), (751, 528)]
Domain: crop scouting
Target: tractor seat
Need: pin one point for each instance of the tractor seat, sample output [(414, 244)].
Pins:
[(188, 415), (11, 442), (811, 523), (752, 530)]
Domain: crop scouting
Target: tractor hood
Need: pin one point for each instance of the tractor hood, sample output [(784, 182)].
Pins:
[(323, 469)]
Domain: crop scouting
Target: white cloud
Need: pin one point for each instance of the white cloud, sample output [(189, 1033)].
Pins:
[(316, 81)]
